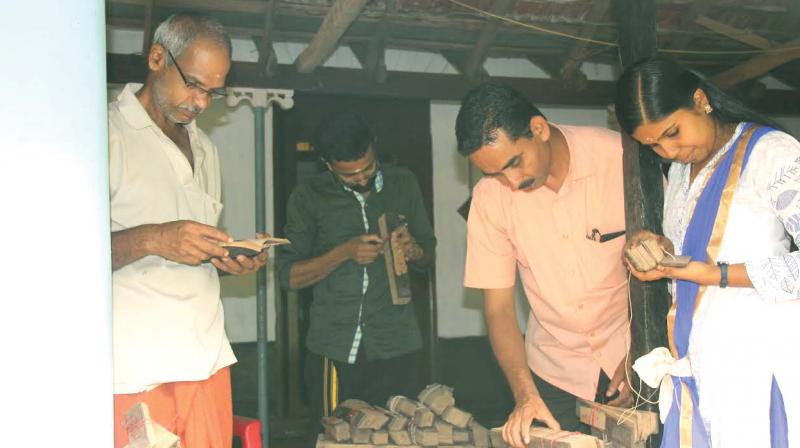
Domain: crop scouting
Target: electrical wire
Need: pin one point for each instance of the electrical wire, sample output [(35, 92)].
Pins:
[(613, 44)]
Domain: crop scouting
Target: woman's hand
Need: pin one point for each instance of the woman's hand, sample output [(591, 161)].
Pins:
[(642, 235), (696, 271)]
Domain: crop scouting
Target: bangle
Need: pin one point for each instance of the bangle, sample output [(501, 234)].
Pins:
[(723, 274)]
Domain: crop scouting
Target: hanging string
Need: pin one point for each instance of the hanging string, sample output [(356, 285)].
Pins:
[(613, 44)]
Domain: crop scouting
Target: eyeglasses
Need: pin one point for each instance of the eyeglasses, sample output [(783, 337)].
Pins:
[(214, 94)]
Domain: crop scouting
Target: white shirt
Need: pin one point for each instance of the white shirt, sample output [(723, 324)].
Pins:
[(741, 337), (168, 317)]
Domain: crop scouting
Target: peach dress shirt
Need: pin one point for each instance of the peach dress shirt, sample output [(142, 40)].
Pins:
[(576, 287)]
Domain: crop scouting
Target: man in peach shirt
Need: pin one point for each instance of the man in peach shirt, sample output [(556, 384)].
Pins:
[(551, 206)]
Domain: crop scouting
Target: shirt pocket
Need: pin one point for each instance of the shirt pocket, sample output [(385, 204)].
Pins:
[(602, 263)]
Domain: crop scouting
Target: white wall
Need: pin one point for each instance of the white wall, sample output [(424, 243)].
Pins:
[(55, 326), (233, 131)]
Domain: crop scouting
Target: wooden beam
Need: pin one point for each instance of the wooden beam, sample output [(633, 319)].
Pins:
[(267, 59), (548, 64), (147, 39), (246, 6), (339, 18), (759, 65), (372, 55), (734, 33), (644, 196), (569, 71), (355, 82), (391, 42), (459, 59), (474, 64)]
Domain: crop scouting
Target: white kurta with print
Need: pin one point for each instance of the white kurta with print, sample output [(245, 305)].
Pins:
[(742, 336)]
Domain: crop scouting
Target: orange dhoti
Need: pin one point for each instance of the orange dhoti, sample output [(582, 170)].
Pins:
[(199, 412)]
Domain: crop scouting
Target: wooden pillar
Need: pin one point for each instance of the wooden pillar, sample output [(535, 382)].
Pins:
[(644, 194)]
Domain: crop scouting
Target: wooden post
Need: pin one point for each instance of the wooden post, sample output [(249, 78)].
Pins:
[(644, 195)]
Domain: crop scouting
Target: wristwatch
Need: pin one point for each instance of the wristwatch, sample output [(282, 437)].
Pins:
[(723, 274)]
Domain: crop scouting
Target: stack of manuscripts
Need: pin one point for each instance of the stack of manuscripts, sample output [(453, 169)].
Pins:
[(431, 420), (621, 427), (434, 420)]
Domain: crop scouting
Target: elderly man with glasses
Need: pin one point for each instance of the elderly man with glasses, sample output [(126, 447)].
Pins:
[(360, 345), (170, 347)]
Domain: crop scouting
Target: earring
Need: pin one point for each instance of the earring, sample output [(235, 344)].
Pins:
[(707, 108)]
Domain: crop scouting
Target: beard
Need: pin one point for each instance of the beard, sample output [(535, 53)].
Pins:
[(160, 98)]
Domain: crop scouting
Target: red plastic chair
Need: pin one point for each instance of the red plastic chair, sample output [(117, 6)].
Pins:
[(248, 430)]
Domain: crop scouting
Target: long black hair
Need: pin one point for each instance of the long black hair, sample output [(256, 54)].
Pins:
[(654, 88)]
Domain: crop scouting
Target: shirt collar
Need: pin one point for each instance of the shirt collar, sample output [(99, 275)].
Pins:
[(378, 184), (580, 162), (133, 111)]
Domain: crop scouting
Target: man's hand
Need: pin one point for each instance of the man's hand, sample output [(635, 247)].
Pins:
[(188, 242), (619, 383), (402, 237), (242, 265), (364, 249), (517, 430)]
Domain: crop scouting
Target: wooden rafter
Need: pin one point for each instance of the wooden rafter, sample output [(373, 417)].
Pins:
[(267, 60), (400, 43), (458, 59), (147, 41), (736, 34), (372, 55), (569, 71), (328, 80), (759, 65), (245, 6), (474, 64), (548, 64), (339, 18)]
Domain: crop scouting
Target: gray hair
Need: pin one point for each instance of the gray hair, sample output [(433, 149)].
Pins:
[(179, 31)]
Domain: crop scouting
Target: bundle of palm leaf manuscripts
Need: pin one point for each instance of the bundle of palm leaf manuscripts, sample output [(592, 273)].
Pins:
[(431, 420)]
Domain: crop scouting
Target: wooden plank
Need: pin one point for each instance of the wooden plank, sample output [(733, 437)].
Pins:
[(734, 33), (458, 59), (395, 42), (267, 59), (395, 258), (569, 71), (247, 6), (759, 65), (427, 86), (323, 44), (473, 67), (372, 55), (147, 29), (644, 196)]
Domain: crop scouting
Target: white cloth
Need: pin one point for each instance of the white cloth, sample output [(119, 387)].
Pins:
[(656, 369), (734, 340), (168, 318)]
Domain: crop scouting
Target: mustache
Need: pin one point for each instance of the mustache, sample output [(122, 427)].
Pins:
[(191, 109)]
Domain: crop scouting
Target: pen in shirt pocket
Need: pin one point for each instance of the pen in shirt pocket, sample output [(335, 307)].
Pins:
[(603, 237)]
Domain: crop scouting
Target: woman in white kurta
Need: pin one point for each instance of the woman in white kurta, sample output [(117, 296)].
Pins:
[(741, 333)]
